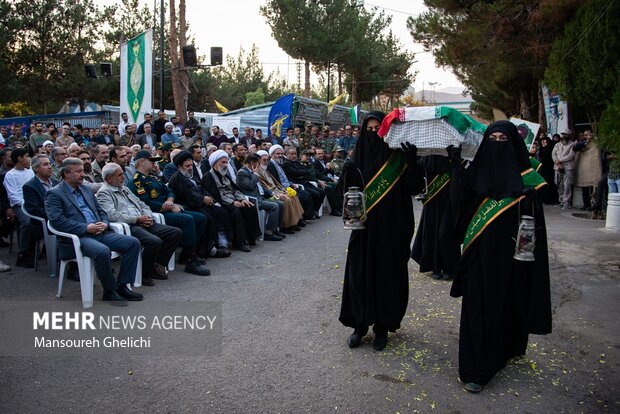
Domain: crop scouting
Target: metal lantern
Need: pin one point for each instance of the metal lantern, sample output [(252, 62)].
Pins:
[(354, 209), (526, 240), (422, 195)]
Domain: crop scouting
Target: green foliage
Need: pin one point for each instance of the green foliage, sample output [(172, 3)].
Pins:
[(14, 109), (585, 60), (254, 98), (498, 49), (609, 127), (46, 58), (342, 33)]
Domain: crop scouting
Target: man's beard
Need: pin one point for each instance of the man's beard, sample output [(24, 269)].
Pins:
[(223, 171), (188, 173), (263, 167), (279, 160), (87, 167)]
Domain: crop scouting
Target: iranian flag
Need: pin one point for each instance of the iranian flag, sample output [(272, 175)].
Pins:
[(432, 129), (355, 114)]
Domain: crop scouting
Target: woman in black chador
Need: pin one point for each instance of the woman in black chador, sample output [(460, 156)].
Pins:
[(504, 299), (376, 283), (436, 247)]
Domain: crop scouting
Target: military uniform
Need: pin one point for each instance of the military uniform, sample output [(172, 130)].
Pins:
[(330, 188), (328, 144), (337, 165), (153, 192)]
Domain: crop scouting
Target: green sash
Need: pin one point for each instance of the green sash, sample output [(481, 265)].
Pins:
[(384, 180), (436, 186), (490, 209)]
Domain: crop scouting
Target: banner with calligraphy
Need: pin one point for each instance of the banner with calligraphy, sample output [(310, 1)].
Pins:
[(137, 76)]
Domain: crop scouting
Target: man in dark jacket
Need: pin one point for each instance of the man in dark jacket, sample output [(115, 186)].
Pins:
[(298, 174)]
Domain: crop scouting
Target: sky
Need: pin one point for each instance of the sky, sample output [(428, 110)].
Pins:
[(232, 24)]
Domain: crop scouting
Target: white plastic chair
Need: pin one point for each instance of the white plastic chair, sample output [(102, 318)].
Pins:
[(159, 218), (262, 216), (123, 228), (50, 245), (86, 267), (320, 212)]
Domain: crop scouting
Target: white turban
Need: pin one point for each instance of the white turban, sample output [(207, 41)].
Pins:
[(48, 142), (275, 147), (216, 156), (168, 124), (262, 152)]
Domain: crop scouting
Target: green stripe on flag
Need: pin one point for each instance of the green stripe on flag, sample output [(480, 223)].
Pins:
[(458, 120), (135, 74)]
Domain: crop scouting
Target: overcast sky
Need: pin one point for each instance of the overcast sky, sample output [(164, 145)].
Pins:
[(232, 24)]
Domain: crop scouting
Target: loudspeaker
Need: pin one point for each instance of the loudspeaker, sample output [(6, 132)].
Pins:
[(216, 56), (189, 55), (106, 69), (90, 70)]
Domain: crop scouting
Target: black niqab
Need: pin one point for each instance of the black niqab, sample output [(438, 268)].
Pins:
[(497, 166)]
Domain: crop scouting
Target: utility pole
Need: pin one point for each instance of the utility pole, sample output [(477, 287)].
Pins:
[(161, 55)]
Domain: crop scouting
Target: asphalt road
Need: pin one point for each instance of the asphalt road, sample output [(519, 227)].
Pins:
[(284, 350)]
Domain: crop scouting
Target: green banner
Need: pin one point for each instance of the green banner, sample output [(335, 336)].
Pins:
[(436, 186), (490, 209), (135, 71), (385, 179)]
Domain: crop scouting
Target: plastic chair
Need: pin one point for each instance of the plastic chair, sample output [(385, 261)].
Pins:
[(262, 216), (159, 218), (50, 245), (86, 267), (123, 228)]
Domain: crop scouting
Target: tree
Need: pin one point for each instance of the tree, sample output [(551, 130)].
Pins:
[(180, 75), (498, 49), (295, 26), (585, 60), (45, 59), (254, 98)]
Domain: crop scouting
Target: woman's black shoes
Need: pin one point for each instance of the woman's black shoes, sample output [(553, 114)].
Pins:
[(380, 342)]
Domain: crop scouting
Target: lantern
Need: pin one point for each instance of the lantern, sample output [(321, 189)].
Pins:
[(526, 240), (354, 209)]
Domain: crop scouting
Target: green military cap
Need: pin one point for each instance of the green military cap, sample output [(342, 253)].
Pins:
[(168, 146), (146, 154), (338, 148)]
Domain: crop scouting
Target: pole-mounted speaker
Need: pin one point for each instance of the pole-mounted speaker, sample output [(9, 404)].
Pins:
[(216, 56), (189, 56)]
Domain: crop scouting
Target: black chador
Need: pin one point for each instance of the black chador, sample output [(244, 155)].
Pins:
[(376, 283), (504, 299), (437, 247)]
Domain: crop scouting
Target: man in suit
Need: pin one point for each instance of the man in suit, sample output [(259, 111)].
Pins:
[(35, 189), (275, 169), (297, 173), (72, 208), (159, 241), (247, 181), (148, 137), (201, 166)]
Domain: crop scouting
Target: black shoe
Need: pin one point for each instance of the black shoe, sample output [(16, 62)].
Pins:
[(159, 275), (335, 213), (114, 298), (437, 275), (24, 259), (301, 223), (380, 342), (252, 242), (221, 252), (317, 217), (277, 233), (289, 230), (129, 294), (244, 248), (195, 268), (147, 281), (447, 277), (584, 208), (297, 228), (272, 237), (355, 339)]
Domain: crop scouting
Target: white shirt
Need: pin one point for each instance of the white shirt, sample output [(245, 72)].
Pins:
[(14, 181), (197, 165), (121, 128)]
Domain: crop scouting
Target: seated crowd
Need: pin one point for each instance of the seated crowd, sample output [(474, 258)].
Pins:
[(212, 193)]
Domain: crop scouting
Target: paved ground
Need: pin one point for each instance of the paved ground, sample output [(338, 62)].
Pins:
[(284, 349)]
